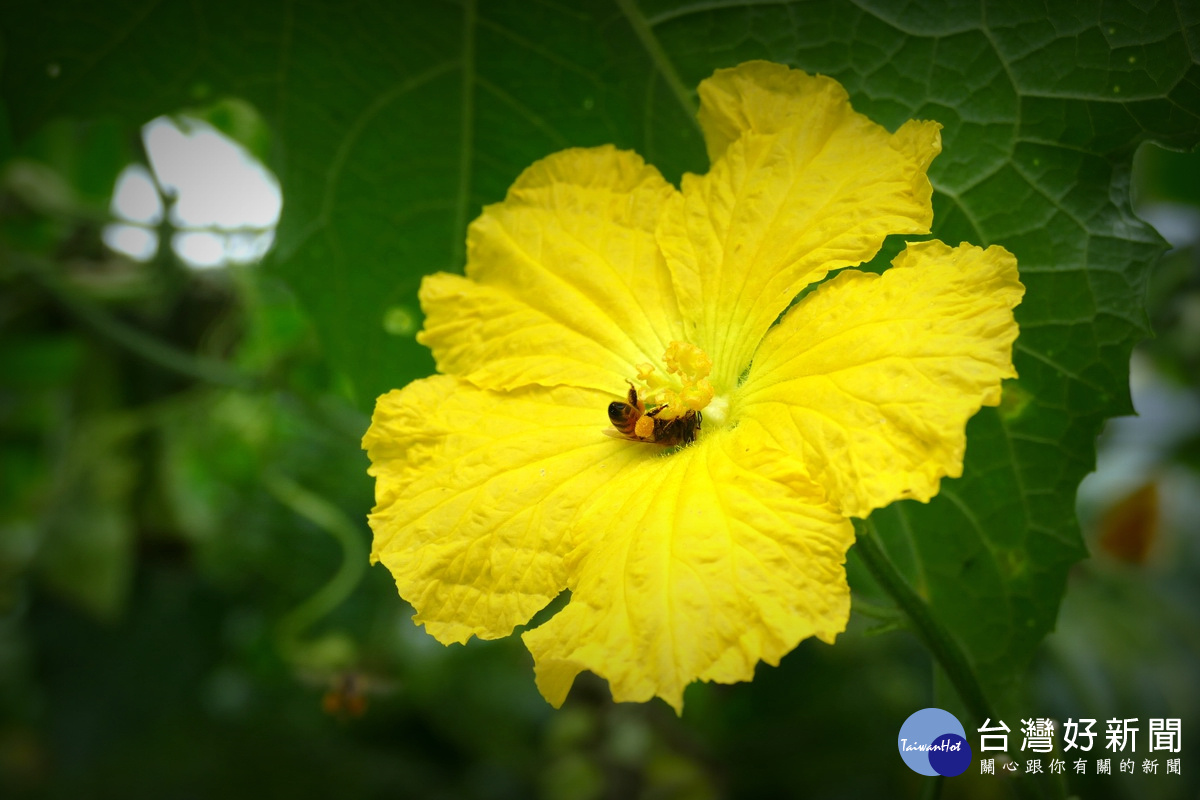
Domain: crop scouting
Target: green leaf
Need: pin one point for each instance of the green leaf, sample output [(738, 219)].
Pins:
[(395, 123)]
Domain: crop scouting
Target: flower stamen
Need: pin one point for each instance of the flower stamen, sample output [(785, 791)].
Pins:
[(684, 388)]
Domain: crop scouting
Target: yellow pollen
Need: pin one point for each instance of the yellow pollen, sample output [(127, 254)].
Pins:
[(644, 427), (645, 371), (687, 360), (698, 395), (684, 388)]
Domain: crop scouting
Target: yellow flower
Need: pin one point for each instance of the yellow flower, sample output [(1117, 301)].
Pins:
[(497, 487)]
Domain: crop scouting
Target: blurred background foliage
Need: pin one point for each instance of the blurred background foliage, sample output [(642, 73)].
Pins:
[(185, 607)]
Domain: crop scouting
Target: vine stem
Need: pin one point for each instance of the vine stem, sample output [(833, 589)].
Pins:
[(939, 641), (329, 518), (941, 644), (143, 344)]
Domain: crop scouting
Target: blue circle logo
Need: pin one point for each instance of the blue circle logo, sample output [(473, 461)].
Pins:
[(934, 742)]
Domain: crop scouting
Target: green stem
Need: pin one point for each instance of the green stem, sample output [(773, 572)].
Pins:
[(329, 518), (939, 641), (932, 788), (144, 345), (941, 644)]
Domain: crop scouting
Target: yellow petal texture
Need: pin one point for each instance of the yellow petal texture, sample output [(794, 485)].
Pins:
[(475, 496), (800, 185), (565, 284), (871, 379), (700, 565)]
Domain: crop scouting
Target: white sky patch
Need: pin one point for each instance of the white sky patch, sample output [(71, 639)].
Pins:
[(135, 197), (138, 243), (1179, 224), (223, 203), (200, 249)]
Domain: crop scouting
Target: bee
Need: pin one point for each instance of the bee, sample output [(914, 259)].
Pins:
[(347, 690), (346, 696), (628, 418)]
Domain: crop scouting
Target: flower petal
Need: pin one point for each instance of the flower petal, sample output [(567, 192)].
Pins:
[(765, 98), (475, 492), (871, 379), (699, 565), (800, 185), (565, 284)]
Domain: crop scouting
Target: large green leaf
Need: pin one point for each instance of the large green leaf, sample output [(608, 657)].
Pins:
[(395, 122)]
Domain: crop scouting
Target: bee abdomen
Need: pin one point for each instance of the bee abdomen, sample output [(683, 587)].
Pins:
[(623, 416)]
